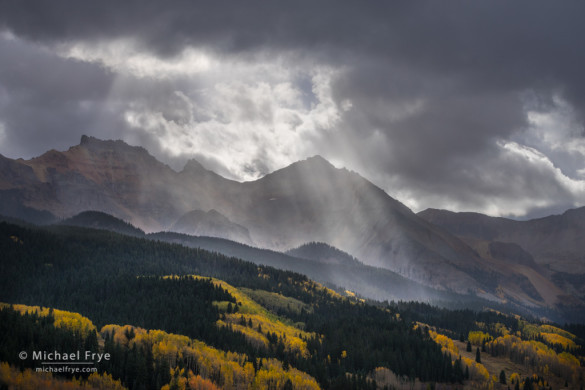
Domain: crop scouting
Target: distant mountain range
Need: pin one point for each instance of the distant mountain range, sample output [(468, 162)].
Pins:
[(308, 201), (545, 250)]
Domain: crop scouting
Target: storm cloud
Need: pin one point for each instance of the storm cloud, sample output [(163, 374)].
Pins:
[(460, 105)]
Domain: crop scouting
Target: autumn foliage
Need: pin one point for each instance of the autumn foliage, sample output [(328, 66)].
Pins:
[(63, 319), (206, 366)]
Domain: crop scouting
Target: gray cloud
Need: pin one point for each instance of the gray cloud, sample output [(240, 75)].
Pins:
[(45, 101), (435, 101)]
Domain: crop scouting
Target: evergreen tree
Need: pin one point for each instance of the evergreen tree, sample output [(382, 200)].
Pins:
[(502, 377), (478, 355), (468, 349), (288, 385)]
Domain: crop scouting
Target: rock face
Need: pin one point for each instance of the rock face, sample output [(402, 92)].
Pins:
[(308, 201)]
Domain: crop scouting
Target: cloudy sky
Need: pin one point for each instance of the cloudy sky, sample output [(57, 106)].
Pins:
[(464, 105)]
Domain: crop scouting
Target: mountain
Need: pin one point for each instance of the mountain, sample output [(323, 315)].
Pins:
[(211, 223), (103, 221), (311, 200), (13, 176), (323, 253), (308, 201), (555, 241), (550, 248)]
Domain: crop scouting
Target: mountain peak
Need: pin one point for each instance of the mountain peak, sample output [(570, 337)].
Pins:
[(312, 164), (310, 168), (89, 141), (320, 160), (85, 139), (93, 143), (193, 165)]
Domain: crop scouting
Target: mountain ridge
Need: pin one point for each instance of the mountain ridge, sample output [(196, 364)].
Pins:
[(533, 235), (554, 243)]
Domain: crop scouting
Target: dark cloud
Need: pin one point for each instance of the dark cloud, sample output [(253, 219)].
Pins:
[(45, 101), (430, 91)]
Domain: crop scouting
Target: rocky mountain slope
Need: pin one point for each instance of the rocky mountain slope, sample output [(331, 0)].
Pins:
[(545, 250), (555, 241)]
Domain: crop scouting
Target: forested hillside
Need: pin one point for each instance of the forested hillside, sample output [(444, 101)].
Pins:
[(177, 317), (367, 281)]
